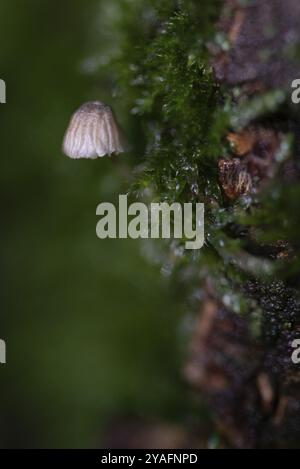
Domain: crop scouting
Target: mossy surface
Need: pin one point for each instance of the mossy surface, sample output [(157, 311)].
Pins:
[(180, 119)]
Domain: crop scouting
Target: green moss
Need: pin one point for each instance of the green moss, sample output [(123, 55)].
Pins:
[(179, 120)]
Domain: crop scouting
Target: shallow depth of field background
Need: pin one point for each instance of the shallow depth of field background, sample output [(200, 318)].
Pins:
[(91, 327)]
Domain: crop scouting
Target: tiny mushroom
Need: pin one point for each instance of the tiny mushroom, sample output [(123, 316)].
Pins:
[(93, 132)]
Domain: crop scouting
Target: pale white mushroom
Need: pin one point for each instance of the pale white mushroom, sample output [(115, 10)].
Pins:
[(93, 132)]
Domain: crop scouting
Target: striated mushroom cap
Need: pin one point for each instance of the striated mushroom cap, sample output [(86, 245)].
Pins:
[(93, 132)]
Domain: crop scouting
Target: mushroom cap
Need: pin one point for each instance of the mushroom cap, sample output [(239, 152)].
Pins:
[(93, 132)]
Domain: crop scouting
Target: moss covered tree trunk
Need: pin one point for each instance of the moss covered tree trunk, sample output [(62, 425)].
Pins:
[(208, 86)]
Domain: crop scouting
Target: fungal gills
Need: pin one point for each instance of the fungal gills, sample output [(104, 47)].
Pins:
[(93, 132)]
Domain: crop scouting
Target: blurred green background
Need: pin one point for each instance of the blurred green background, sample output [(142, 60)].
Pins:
[(91, 328)]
